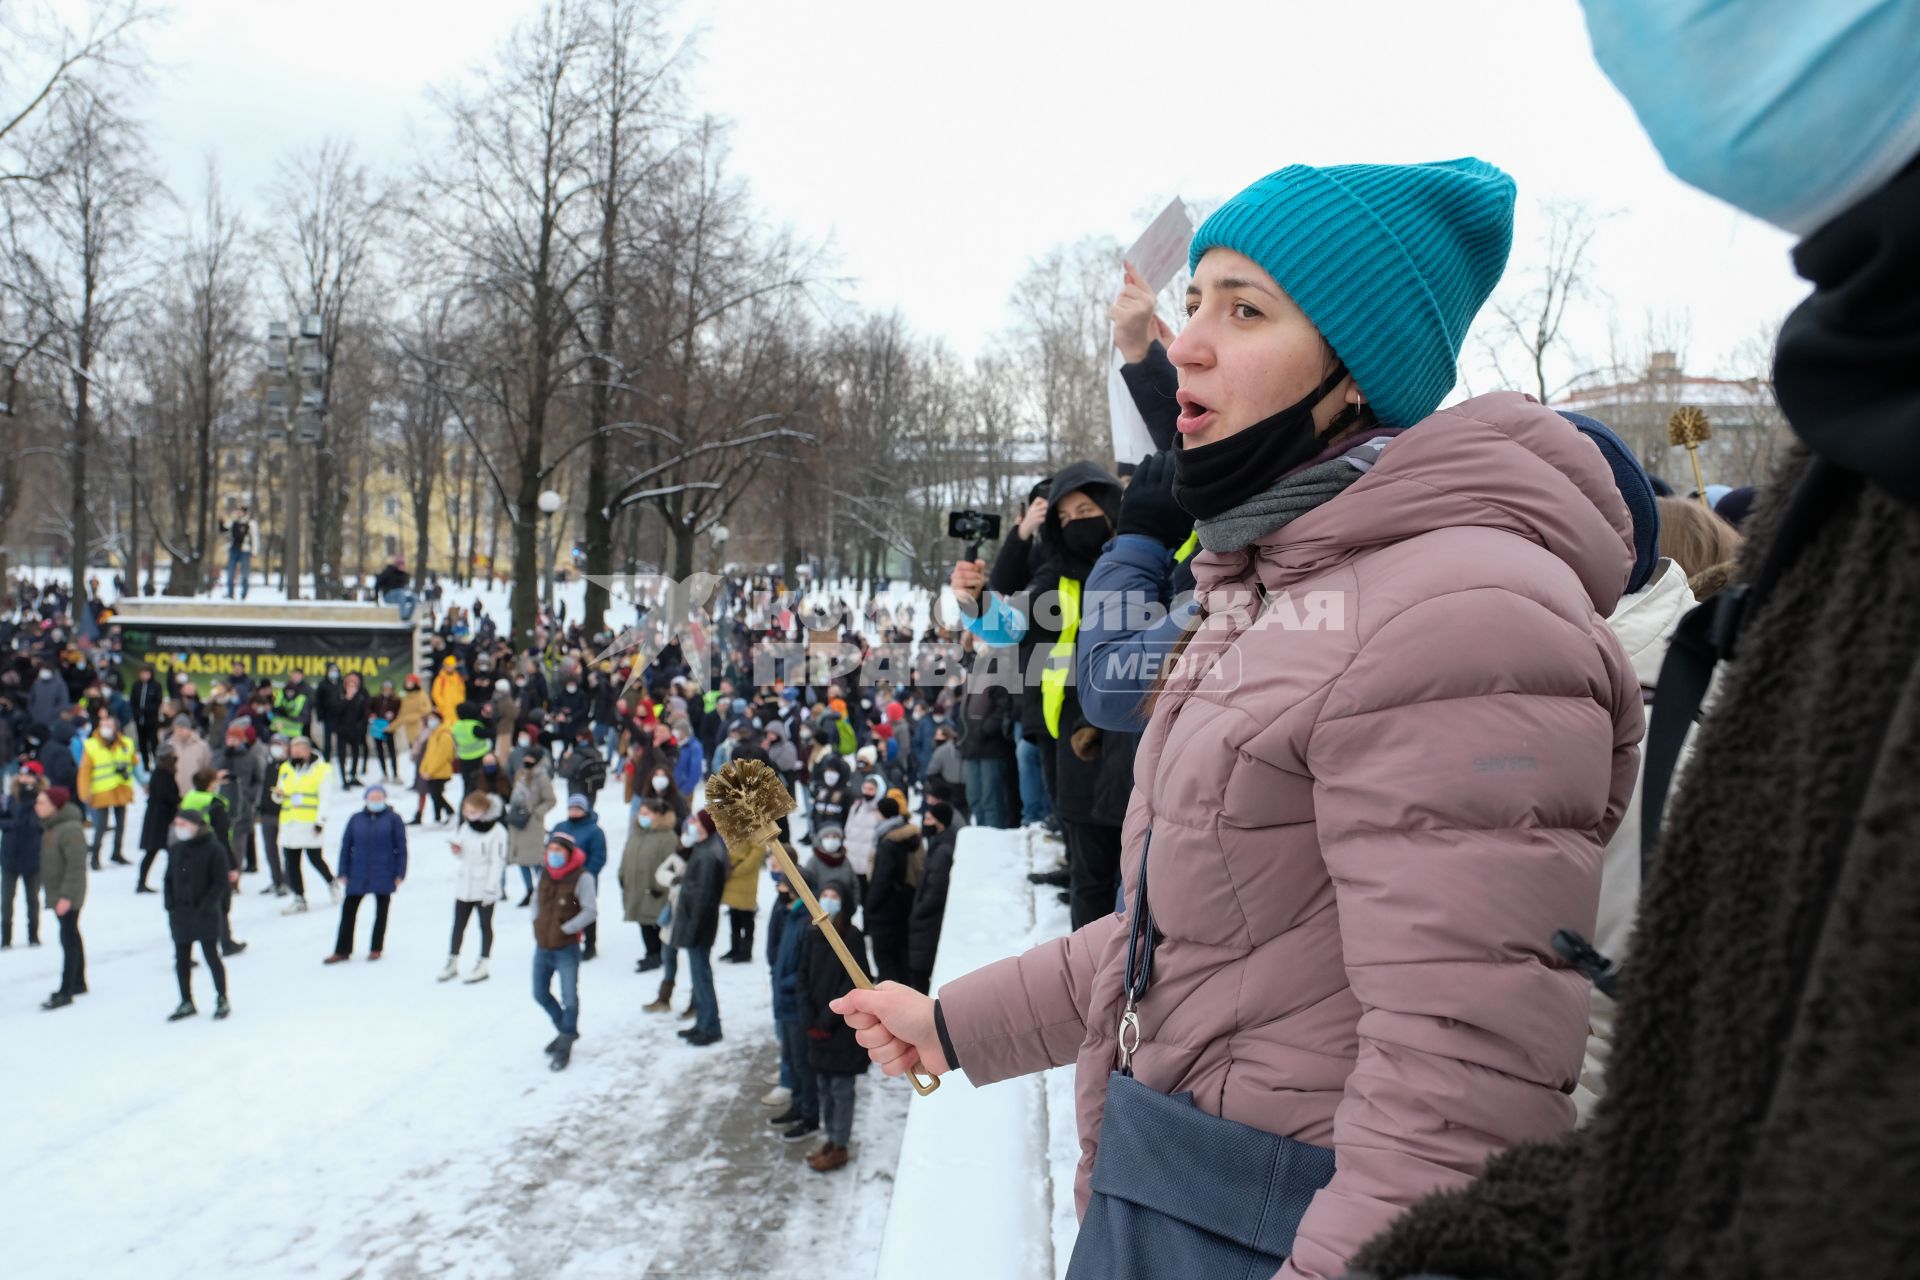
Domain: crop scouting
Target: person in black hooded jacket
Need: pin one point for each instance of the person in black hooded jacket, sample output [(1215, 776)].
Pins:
[(197, 885), (1093, 768)]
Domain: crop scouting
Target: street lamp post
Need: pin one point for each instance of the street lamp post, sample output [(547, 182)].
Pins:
[(549, 504), (294, 356)]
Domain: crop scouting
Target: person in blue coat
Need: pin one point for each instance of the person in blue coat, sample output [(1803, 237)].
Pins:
[(583, 828), (690, 770), (373, 860)]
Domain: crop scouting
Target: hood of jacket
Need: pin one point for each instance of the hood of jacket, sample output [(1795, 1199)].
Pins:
[(1644, 622), (1092, 479), (1501, 461), (493, 814)]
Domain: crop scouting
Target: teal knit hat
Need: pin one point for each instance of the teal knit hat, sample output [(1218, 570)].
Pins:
[(1390, 262)]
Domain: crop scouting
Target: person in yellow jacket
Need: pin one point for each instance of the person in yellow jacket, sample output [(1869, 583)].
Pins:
[(449, 689), (409, 724), (106, 785), (435, 768), (300, 789), (741, 897)]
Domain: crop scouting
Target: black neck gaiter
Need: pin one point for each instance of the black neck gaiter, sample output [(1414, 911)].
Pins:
[(1213, 478), (1847, 369)]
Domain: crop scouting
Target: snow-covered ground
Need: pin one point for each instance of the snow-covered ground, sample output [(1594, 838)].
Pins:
[(364, 1120)]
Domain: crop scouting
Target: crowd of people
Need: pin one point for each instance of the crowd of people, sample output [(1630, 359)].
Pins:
[(1396, 950), (240, 782)]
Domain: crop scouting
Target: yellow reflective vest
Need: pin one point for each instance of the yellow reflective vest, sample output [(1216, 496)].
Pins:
[(1053, 680), (301, 787), (106, 772)]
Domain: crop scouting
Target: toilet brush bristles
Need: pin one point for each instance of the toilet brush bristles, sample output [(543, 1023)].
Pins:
[(747, 799)]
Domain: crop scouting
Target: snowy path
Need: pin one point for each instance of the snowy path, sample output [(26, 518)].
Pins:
[(366, 1121)]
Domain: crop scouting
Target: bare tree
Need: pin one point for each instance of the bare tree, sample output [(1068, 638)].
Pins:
[(730, 374), (507, 203), (422, 357), (1532, 320), (637, 96), (328, 215), (1059, 344), (77, 270), (42, 59)]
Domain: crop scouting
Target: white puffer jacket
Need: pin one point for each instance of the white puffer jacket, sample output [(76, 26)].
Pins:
[(482, 855), (1644, 623)]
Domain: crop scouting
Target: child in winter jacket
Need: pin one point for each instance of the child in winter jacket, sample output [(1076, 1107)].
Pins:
[(480, 843), (832, 1053)]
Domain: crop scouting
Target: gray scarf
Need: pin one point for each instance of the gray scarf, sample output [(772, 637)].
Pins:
[(1291, 497)]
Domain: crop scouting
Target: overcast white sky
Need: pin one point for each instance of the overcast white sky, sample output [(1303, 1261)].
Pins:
[(941, 147)]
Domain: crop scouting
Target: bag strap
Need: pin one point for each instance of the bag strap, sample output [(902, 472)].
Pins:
[(1140, 942)]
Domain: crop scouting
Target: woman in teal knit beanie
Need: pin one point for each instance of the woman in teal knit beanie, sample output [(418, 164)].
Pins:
[(1376, 782)]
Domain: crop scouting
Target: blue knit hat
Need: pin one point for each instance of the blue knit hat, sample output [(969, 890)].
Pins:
[(1390, 262), (1636, 490)]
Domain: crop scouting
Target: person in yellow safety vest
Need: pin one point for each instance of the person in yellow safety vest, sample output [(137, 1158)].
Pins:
[(292, 707), (449, 689), (472, 741), (1092, 772), (106, 785), (298, 792)]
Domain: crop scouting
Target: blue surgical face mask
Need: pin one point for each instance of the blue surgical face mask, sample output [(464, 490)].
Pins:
[(376, 806), (556, 859), (831, 906), (1792, 111), (645, 819)]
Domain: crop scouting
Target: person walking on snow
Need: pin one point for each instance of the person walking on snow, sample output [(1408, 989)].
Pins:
[(582, 827), (198, 881), (63, 878), (480, 844), (567, 907), (373, 860)]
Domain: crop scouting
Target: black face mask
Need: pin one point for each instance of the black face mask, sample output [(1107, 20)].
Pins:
[(1084, 538), (1212, 479)]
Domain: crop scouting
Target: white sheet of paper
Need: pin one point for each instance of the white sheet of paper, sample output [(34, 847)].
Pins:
[(1162, 248), (1131, 439)]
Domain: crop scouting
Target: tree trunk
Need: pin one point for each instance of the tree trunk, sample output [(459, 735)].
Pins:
[(599, 533), (422, 541), (473, 521), (525, 603)]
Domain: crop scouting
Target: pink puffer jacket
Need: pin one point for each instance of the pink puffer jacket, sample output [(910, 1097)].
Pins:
[(1367, 823)]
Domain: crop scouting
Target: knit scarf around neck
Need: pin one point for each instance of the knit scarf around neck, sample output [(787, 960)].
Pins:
[(1294, 494)]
